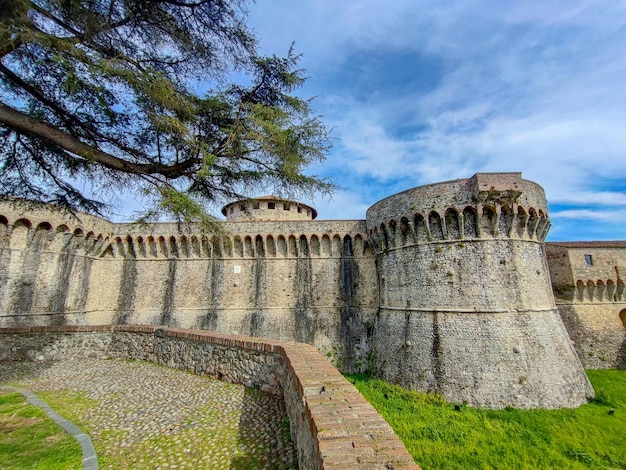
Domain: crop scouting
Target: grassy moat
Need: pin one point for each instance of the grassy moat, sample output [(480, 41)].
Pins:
[(440, 436)]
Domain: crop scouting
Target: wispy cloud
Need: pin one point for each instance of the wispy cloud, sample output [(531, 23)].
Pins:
[(426, 91)]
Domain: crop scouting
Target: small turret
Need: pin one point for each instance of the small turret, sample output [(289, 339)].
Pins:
[(267, 208)]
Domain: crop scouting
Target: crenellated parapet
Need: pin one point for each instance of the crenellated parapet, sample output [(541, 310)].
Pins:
[(487, 206), (325, 239), (24, 222)]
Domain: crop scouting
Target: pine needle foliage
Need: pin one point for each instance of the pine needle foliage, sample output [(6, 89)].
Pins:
[(136, 95)]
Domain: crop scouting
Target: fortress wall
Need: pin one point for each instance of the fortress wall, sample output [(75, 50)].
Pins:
[(589, 293), (310, 281), (467, 308), (317, 397)]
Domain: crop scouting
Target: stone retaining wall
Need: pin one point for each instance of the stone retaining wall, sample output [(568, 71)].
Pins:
[(332, 425)]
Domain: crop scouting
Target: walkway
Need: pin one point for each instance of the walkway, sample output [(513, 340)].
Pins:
[(141, 415)]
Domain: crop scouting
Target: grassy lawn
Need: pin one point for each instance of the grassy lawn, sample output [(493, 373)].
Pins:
[(438, 436), (31, 440)]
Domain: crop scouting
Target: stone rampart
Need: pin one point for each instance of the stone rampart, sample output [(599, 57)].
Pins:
[(589, 293), (308, 281), (466, 308), (438, 285), (331, 423)]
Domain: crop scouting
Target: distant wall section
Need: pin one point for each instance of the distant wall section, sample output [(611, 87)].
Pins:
[(308, 281), (589, 292)]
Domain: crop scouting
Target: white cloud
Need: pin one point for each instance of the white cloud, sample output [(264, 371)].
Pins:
[(608, 216)]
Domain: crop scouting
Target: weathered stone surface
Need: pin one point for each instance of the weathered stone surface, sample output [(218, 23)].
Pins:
[(589, 294), (464, 282), (426, 261)]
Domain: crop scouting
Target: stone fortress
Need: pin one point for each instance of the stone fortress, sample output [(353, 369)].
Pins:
[(447, 287)]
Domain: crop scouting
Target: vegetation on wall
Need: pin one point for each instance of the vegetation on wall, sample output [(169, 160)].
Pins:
[(166, 98), (445, 435)]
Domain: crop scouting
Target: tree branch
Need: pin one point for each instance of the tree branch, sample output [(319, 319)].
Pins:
[(26, 124)]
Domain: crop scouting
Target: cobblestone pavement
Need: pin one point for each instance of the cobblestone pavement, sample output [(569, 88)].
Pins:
[(141, 415)]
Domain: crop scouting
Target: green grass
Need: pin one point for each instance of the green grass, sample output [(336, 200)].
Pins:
[(438, 436), (31, 440)]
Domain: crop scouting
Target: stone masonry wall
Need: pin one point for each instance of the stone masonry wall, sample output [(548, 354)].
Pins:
[(589, 293), (310, 281), (331, 423), (466, 308)]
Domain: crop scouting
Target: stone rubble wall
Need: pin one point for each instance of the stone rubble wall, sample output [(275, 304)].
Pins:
[(309, 281), (590, 296), (466, 308), (435, 280), (332, 425)]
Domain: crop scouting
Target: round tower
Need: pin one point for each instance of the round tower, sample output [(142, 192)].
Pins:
[(267, 208), (466, 306)]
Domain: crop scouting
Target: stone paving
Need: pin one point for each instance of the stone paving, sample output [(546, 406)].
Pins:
[(141, 415)]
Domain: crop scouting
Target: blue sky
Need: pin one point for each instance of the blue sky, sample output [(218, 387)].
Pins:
[(424, 91)]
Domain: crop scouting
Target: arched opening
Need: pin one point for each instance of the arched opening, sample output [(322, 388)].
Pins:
[(22, 223), (622, 316), (271, 246), (337, 245), (173, 248), (142, 247), (195, 246), (506, 220), (247, 243), (358, 244), (163, 247), (44, 226), (238, 246), (282, 246), (532, 223), (3, 220), (392, 233), (600, 290), (293, 247), (404, 229), (383, 231), (217, 246), (591, 290), (207, 248), (580, 290), (421, 228), (152, 247), (488, 221), (184, 246), (304, 246), (325, 246), (470, 229), (434, 223), (315, 245), (522, 218), (452, 224), (619, 292), (259, 246), (610, 290)]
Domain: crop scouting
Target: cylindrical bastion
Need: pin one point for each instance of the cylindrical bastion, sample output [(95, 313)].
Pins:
[(466, 306)]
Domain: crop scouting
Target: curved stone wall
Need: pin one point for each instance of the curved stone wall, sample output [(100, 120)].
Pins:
[(332, 425), (466, 307)]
